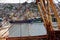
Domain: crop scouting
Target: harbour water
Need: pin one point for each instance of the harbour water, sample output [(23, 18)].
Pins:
[(27, 29)]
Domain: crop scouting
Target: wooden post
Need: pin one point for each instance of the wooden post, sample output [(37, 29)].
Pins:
[(48, 10), (55, 12), (45, 13), (2, 38), (40, 11), (47, 22)]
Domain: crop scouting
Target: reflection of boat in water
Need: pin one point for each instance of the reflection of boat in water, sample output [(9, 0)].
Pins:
[(4, 26)]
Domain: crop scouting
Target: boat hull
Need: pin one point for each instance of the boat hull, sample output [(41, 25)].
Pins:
[(26, 21), (21, 21)]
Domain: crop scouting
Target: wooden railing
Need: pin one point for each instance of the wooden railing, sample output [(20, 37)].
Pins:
[(44, 37)]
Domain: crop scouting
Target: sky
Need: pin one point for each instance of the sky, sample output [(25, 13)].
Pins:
[(56, 1), (26, 0), (20, 1), (15, 1)]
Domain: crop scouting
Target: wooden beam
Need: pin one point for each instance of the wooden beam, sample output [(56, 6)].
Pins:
[(40, 11), (47, 22), (55, 12), (45, 14), (6, 31), (48, 11), (28, 37)]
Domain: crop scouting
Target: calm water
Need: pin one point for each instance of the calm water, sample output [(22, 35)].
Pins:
[(27, 29)]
